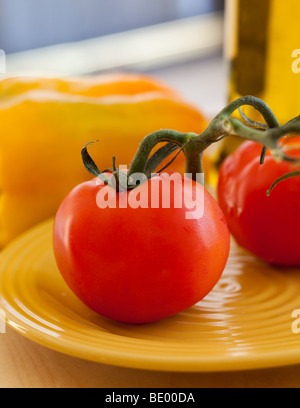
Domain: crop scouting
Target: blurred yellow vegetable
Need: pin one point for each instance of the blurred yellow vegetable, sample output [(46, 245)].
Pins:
[(98, 85), (46, 122)]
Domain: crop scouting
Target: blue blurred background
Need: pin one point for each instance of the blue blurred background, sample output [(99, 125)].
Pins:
[(30, 24)]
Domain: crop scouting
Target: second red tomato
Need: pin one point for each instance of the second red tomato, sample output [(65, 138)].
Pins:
[(266, 226)]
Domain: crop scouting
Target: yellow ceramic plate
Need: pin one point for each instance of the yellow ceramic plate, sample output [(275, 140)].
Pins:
[(244, 323)]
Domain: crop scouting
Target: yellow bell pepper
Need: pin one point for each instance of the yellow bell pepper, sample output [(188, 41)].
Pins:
[(98, 85), (44, 129)]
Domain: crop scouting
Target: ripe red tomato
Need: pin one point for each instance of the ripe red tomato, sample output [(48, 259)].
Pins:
[(266, 226), (138, 265)]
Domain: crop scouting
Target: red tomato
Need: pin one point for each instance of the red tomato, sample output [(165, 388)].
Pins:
[(266, 226), (139, 265)]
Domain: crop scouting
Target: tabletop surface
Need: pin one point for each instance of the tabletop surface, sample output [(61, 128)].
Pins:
[(25, 364)]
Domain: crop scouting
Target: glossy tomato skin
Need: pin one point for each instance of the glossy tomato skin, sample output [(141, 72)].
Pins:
[(138, 265), (266, 226)]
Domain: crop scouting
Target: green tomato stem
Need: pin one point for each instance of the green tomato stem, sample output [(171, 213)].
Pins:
[(194, 145)]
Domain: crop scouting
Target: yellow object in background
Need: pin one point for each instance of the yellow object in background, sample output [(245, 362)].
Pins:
[(44, 129), (94, 85), (263, 37)]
